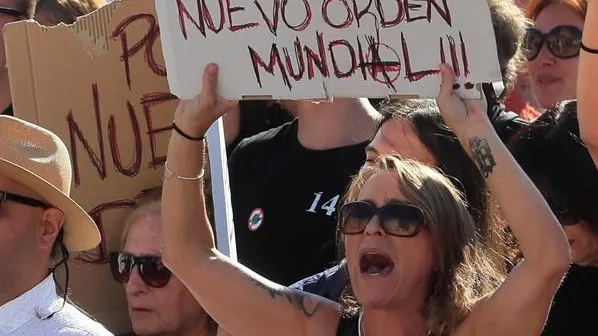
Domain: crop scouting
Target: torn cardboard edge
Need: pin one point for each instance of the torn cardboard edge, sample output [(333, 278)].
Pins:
[(90, 28)]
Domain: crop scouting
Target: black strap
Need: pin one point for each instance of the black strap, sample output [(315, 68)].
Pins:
[(588, 49), (6, 196), (348, 326), (185, 135)]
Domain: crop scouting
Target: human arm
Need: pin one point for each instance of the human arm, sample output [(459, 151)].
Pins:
[(587, 99), (222, 332), (521, 304), (239, 300)]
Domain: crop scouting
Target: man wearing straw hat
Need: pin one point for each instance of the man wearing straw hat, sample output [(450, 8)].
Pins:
[(39, 223)]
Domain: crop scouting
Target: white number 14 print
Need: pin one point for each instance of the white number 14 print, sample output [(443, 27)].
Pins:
[(329, 206)]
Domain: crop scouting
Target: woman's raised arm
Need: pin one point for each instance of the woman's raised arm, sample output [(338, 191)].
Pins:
[(238, 299), (587, 99), (521, 304)]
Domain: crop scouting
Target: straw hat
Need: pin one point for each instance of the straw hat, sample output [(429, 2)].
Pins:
[(39, 160)]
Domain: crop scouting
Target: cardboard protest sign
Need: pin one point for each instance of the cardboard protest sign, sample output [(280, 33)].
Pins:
[(327, 48), (101, 85)]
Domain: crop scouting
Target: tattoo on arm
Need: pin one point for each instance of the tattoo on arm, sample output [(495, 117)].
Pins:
[(295, 298), (482, 155)]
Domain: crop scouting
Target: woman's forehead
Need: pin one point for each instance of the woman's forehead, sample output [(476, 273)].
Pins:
[(145, 235), (381, 188), (555, 15)]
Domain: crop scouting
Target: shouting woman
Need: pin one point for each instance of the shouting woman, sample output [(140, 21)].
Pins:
[(415, 264)]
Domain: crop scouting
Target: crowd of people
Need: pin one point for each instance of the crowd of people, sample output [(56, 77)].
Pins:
[(416, 217)]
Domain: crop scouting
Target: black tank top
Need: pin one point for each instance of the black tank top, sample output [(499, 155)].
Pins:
[(348, 326)]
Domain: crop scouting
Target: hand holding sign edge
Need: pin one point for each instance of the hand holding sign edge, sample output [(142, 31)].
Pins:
[(195, 116), (459, 114)]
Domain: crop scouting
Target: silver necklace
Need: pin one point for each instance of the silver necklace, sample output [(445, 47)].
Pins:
[(359, 331)]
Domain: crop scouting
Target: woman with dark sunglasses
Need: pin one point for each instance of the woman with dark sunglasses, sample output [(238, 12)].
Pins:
[(414, 129), (552, 48), (415, 264), (158, 302)]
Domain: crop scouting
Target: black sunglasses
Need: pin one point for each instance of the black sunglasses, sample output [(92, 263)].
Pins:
[(563, 42), (396, 219), (11, 12), (150, 268), (6, 196)]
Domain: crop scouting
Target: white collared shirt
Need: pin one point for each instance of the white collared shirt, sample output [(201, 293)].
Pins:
[(24, 316)]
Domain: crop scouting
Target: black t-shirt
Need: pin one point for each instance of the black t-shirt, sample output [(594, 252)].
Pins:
[(285, 199), (575, 306), (256, 117)]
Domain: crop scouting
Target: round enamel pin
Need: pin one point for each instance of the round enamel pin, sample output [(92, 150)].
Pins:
[(256, 219)]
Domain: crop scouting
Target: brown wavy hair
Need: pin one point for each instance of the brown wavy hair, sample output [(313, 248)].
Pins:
[(454, 162), (509, 23), (465, 272)]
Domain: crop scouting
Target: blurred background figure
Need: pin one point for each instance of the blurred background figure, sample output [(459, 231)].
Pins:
[(251, 117), (552, 154), (522, 100), (53, 12), (10, 11), (552, 48), (286, 185)]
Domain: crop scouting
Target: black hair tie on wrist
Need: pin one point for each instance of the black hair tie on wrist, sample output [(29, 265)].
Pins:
[(185, 135), (588, 49)]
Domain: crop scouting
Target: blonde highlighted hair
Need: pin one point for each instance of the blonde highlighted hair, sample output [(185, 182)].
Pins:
[(465, 271), (147, 203)]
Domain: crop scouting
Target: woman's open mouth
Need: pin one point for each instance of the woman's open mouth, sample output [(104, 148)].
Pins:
[(375, 264)]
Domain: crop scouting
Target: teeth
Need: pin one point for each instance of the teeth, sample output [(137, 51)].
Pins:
[(374, 269)]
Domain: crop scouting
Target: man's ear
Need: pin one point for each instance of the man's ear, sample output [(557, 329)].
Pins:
[(51, 222)]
